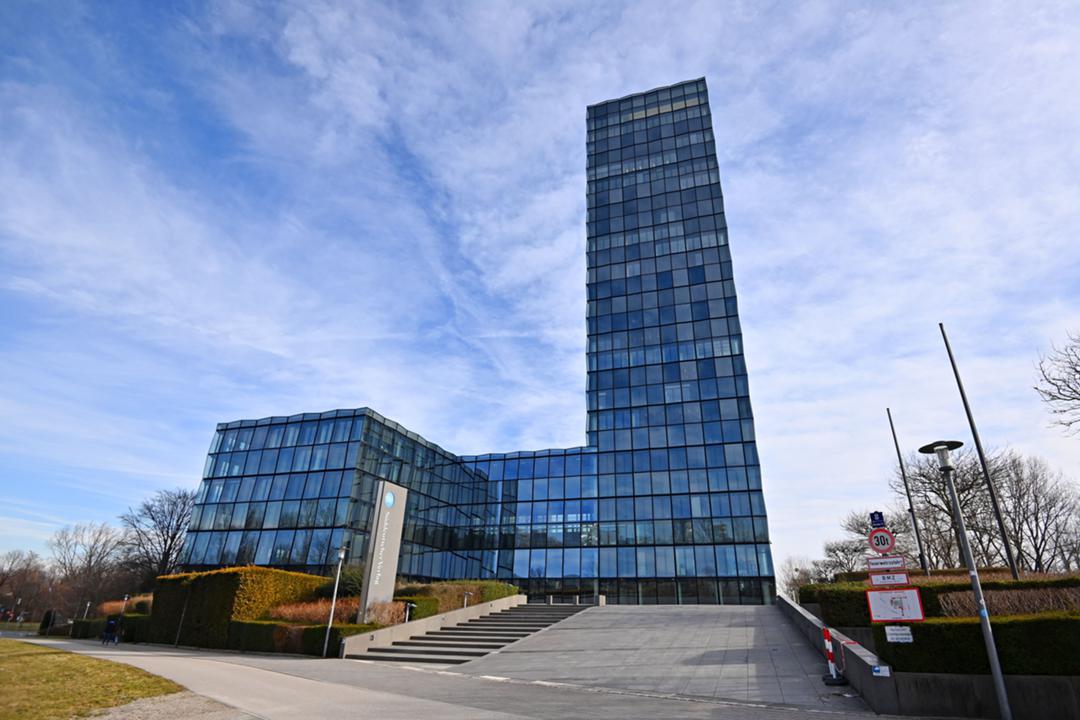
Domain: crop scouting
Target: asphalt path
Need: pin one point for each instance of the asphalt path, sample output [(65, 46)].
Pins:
[(277, 687)]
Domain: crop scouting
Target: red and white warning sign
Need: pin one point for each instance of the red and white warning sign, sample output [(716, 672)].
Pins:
[(882, 540), (895, 605)]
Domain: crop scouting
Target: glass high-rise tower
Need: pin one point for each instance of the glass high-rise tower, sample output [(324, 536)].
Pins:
[(662, 505)]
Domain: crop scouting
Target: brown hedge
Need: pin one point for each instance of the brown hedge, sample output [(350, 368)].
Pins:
[(844, 604), (209, 601)]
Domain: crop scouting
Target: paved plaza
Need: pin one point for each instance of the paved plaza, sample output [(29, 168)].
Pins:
[(743, 653), (621, 662)]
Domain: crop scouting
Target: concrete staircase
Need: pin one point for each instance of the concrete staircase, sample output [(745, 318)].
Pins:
[(474, 638)]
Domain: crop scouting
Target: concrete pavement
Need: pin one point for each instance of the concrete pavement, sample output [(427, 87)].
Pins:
[(744, 653), (278, 687)]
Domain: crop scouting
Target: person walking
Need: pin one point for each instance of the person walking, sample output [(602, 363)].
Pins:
[(109, 636)]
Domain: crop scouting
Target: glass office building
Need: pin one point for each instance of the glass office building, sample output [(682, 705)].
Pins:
[(662, 505)]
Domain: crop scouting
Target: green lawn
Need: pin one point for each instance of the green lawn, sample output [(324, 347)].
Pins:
[(47, 684)]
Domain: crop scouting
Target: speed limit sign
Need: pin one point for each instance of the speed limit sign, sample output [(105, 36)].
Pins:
[(882, 540)]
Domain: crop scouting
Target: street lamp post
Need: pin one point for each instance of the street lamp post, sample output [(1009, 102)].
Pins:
[(1009, 557), (941, 449), (333, 600), (86, 610), (907, 490), (408, 607), (467, 596)]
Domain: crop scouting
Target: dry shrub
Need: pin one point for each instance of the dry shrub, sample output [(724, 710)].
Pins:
[(387, 613), (113, 607), (317, 611), (1012, 602)]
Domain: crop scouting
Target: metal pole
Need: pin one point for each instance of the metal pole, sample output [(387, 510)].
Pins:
[(982, 459), (980, 601), (87, 610), (333, 601), (907, 489)]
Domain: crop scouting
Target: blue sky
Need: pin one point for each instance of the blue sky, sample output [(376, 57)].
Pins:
[(237, 210)]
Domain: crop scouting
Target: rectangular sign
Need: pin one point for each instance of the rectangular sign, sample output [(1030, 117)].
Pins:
[(384, 545), (898, 634), (877, 520), (886, 562), (895, 605), (878, 579), (881, 671)]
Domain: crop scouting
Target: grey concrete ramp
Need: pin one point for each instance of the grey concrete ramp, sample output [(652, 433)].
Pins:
[(728, 652)]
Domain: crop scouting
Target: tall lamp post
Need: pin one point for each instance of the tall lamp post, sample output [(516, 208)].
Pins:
[(333, 600), (941, 449), (907, 490), (1009, 557)]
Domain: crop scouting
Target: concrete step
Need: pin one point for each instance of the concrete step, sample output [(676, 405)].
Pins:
[(441, 659), (428, 651), (463, 644), (477, 635)]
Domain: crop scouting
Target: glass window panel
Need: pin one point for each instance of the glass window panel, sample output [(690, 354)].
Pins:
[(239, 515), (646, 562), (336, 458), (319, 547), (273, 514), (295, 488), (307, 432), (342, 515), (684, 561), (245, 553), (213, 548), (255, 512), (290, 510), (554, 563), (537, 563), (608, 566), (746, 555), (589, 562), (665, 561), (627, 562), (313, 484), (318, 457), (282, 547), (571, 563), (324, 516), (521, 563), (300, 547), (232, 545), (301, 459), (265, 548)]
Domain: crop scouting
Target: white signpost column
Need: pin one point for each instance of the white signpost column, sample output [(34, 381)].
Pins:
[(384, 545)]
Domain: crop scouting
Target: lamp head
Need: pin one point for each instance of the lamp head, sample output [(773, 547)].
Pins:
[(941, 448)]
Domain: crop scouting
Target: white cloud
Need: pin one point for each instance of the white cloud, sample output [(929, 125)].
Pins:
[(392, 214)]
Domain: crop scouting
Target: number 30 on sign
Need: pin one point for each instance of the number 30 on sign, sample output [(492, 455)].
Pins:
[(882, 540)]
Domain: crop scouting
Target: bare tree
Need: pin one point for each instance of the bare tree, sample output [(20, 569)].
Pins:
[(86, 559), (793, 573), (1038, 506), (933, 507), (12, 563), (1058, 383), (154, 532)]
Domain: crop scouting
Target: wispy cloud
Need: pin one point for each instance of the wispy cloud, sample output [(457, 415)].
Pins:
[(264, 209)]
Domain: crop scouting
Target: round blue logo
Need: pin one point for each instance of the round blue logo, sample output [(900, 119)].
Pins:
[(389, 499)]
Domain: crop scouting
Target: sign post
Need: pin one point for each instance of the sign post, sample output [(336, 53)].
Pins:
[(384, 544), (882, 540)]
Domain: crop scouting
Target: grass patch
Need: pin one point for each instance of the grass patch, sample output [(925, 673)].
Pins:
[(47, 683)]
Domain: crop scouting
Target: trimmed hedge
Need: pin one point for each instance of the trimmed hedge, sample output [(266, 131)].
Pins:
[(426, 605), (916, 573), (88, 629), (275, 637), (314, 636), (216, 598), (844, 604), (1043, 644), (451, 593), (135, 628)]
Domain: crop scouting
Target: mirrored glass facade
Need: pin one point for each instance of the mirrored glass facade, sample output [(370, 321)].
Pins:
[(663, 504)]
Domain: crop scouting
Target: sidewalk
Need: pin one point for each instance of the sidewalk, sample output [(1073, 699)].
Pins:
[(292, 688)]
